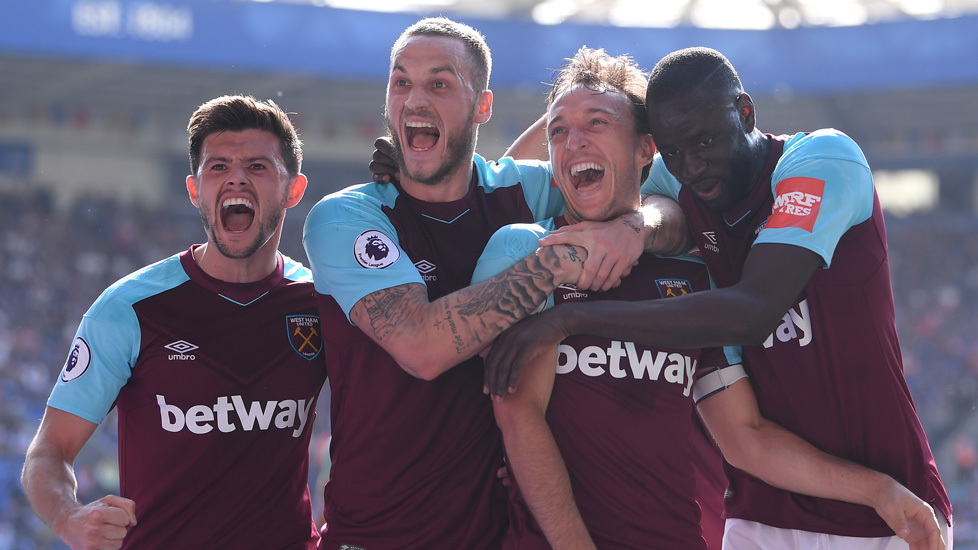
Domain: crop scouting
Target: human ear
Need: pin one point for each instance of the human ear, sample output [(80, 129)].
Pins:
[(192, 190), (745, 109), (299, 183), (483, 104)]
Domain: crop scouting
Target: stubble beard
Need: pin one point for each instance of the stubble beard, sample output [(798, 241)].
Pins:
[(458, 153), (266, 228)]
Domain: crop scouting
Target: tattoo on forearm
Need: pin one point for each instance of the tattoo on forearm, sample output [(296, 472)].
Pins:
[(630, 224), (456, 337), (508, 297), (382, 309), (471, 318)]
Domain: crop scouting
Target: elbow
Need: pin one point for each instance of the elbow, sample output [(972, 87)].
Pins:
[(420, 368), (736, 457), (415, 358)]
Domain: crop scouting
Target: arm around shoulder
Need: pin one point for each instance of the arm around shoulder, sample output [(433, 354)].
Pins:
[(779, 457)]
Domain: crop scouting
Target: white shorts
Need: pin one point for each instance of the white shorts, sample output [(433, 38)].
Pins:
[(739, 534)]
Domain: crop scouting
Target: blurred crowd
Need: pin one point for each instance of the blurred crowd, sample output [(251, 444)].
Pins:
[(54, 262)]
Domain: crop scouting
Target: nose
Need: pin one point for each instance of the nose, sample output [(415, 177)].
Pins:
[(416, 99), (575, 139), (237, 174), (692, 165)]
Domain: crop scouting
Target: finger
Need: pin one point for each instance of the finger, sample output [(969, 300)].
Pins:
[(616, 273), (127, 505), (607, 275), (492, 364), (114, 532), (514, 374), (562, 236), (588, 273), (382, 142), (504, 364)]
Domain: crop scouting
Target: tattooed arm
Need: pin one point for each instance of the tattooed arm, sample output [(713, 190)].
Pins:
[(428, 338)]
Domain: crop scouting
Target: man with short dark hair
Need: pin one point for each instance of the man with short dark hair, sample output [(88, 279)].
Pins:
[(415, 447), (212, 358)]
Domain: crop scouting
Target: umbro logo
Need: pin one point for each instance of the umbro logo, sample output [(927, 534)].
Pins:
[(710, 242), (424, 266), (182, 349), (181, 346)]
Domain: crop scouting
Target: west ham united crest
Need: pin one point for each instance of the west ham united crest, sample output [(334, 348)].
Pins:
[(673, 287), (305, 335)]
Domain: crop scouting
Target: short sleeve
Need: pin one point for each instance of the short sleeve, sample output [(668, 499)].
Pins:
[(822, 186), (353, 248), (100, 361), (661, 181), (507, 246), (535, 177)]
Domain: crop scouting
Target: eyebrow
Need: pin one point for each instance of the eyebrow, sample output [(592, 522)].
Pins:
[(226, 160), (590, 111), (435, 70)]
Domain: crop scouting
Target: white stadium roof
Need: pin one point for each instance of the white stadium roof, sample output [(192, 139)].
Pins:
[(712, 14)]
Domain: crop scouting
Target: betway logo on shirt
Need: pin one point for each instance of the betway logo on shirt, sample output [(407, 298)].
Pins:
[(621, 360), (231, 412), (796, 203), (795, 325)]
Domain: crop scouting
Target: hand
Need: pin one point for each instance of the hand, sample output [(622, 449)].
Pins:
[(912, 519), (99, 525), (613, 249), (382, 165), (519, 345), (503, 475)]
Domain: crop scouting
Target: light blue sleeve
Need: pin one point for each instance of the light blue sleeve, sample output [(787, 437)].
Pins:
[(661, 181), (831, 160), (106, 346), (507, 246), (353, 248), (536, 178)]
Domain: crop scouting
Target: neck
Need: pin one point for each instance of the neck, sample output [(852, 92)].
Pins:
[(762, 147), (232, 270), (452, 187)]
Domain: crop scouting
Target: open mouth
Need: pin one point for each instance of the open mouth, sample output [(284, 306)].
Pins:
[(421, 136), (707, 189), (586, 173), (237, 214)]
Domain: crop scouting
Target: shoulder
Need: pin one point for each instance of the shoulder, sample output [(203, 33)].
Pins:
[(507, 172), (661, 181), (352, 202), (519, 232), (827, 144), (294, 270), (508, 245), (149, 281)]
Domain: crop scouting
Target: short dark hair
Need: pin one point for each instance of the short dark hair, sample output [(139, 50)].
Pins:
[(600, 72), (235, 113), (691, 70), (474, 42)]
